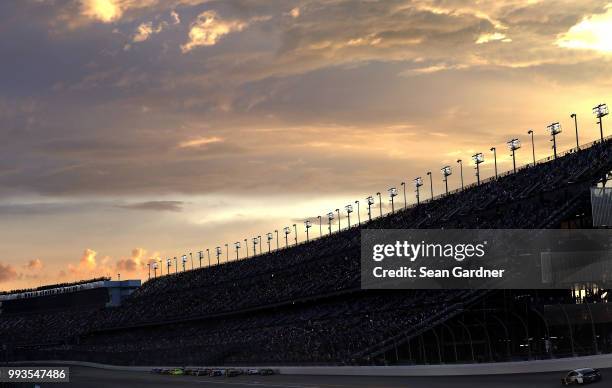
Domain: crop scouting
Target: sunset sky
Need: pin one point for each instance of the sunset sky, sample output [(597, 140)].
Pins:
[(137, 129)]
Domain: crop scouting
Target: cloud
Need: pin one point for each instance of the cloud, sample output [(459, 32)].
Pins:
[(295, 12), (209, 28), (135, 262), (172, 206), (593, 32), (199, 142), (7, 273), (175, 17), (103, 10), (496, 36), (145, 30), (34, 265)]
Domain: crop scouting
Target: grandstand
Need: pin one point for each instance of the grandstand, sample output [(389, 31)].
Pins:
[(303, 304)]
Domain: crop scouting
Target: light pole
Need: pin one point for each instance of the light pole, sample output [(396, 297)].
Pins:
[(418, 182), (175, 265), (218, 255), (379, 202), (307, 225), (349, 210), (530, 132), (200, 256), (255, 241), (338, 211), (260, 244), (575, 117), (295, 236), (600, 111), (269, 238), (358, 213), (246, 247), (208, 254), (184, 260), (554, 129), (287, 231), (168, 265), (149, 265), (461, 171), (320, 227), (226, 253), (478, 158), (237, 245), (370, 200), (155, 269), (514, 145), (191, 258), (392, 194), (330, 217), (276, 231), (430, 184), (403, 184), (446, 172), (495, 160)]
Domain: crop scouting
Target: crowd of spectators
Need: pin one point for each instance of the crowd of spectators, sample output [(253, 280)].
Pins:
[(303, 304)]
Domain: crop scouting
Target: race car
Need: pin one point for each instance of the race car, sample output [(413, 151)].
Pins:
[(581, 376), (233, 372), (177, 371), (252, 372), (266, 372)]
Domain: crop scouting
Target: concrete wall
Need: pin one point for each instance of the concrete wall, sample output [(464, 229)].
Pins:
[(562, 364)]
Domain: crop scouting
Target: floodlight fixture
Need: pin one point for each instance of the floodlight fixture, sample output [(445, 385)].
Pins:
[(530, 132), (461, 171), (349, 210), (200, 257), (287, 231), (554, 129), (269, 239), (226, 252), (175, 265), (183, 261), (430, 184), (330, 217), (379, 202), (246, 247), (495, 159), (255, 241), (392, 194), (575, 117), (277, 245), (149, 266), (307, 225), (403, 184), (155, 269), (446, 172), (168, 265), (218, 249), (295, 236), (478, 159), (600, 111), (338, 211), (418, 182), (514, 145), (237, 246), (358, 213), (320, 226), (370, 201)]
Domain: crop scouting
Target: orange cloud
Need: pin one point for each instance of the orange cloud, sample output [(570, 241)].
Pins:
[(7, 273), (33, 265), (199, 142)]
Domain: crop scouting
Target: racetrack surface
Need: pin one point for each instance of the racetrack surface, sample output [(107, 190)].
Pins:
[(97, 378)]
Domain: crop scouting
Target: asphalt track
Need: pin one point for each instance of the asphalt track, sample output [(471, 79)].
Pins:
[(96, 378)]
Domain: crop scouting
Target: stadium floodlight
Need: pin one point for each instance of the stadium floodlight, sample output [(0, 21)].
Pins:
[(295, 235), (237, 246), (287, 230), (600, 111), (168, 265), (418, 182), (446, 172), (307, 225), (184, 260), (430, 184), (403, 184), (514, 145), (392, 194), (175, 265), (226, 253), (255, 241), (191, 258), (149, 265), (349, 210), (461, 171), (276, 231), (358, 213), (218, 249), (338, 211), (478, 158), (330, 217), (155, 268), (260, 245), (246, 247), (200, 256), (554, 129), (269, 238), (494, 159), (530, 132), (575, 117), (320, 227), (379, 202), (370, 201)]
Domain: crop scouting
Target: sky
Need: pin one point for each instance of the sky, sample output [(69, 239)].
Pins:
[(132, 130)]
